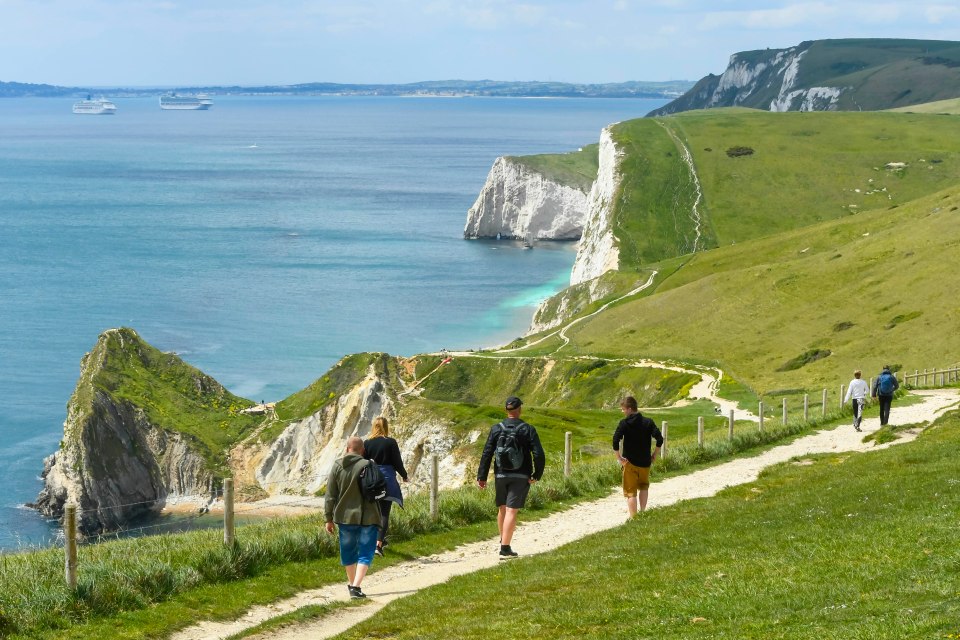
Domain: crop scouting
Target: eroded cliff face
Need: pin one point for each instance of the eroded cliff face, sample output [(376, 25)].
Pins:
[(597, 252), (761, 80), (299, 460), (114, 463), (517, 202)]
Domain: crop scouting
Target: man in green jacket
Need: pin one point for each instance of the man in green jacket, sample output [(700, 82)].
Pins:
[(357, 519)]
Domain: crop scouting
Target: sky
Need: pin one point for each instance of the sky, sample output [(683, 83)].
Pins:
[(251, 42)]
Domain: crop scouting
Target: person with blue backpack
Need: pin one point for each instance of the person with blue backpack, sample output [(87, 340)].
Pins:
[(884, 387), (518, 460)]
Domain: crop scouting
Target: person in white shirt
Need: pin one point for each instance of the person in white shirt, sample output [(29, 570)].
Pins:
[(857, 392)]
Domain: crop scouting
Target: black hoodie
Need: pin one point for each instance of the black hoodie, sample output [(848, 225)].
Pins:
[(636, 432)]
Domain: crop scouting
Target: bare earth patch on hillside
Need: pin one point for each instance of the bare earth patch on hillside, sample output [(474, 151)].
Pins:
[(561, 528)]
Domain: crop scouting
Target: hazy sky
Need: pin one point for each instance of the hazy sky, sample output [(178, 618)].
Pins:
[(144, 42)]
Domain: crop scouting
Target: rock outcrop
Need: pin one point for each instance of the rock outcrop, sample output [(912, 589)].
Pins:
[(597, 252), (115, 463), (830, 75), (299, 460), (518, 202)]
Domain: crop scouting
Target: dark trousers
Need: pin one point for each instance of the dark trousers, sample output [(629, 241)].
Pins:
[(885, 402), (857, 412), (384, 520)]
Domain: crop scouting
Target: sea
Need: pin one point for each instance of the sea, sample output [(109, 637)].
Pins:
[(261, 240)]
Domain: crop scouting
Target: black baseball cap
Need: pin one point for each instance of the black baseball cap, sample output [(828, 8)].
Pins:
[(513, 402)]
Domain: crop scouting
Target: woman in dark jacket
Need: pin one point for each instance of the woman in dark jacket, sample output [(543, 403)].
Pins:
[(385, 452)]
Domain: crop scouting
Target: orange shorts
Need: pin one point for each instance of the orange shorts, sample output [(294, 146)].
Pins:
[(635, 479)]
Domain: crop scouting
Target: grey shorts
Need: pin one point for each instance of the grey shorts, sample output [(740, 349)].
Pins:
[(512, 492)]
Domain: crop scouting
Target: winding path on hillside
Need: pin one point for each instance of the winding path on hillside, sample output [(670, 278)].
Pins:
[(695, 209), (559, 529)]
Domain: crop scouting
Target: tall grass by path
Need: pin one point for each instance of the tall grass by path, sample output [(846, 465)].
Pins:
[(833, 546)]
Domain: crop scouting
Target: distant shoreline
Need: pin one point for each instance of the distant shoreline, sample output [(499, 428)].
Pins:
[(667, 90)]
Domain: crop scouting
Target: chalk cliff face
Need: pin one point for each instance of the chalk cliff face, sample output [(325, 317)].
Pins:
[(115, 464), (597, 252), (517, 202), (762, 80), (299, 460)]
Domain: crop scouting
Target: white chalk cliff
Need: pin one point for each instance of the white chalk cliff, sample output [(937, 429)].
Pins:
[(518, 202), (597, 252)]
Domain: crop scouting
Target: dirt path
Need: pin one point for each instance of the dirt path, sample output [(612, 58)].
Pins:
[(558, 529)]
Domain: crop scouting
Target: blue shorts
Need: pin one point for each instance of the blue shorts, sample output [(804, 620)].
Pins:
[(357, 543)]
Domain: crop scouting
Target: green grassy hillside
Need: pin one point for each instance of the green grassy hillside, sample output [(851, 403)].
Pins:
[(870, 73), (871, 288), (174, 395), (827, 549), (943, 107), (576, 169)]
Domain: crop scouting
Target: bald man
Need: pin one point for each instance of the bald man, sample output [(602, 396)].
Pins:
[(357, 519)]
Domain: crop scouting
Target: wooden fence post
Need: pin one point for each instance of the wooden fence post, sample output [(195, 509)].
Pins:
[(434, 487), (784, 412), (760, 411), (806, 408), (843, 388), (567, 454), (730, 426), (663, 430), (700, 431), (823, 406), (70, 544), (228, 521)]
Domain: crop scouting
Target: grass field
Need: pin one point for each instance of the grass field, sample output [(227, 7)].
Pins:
[(830, 548), (576, 169), (871, 289)]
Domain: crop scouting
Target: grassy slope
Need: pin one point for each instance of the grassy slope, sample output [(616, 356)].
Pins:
[(174, 395), (830, 549), (883, 72), (943, 107), (753, 306), (807, 167), (651, 211), (576, 169)]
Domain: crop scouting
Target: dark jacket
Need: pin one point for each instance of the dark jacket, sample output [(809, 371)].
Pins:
[(383, 450), (534, 458), (344, 504), (385, 453), (637, 431), (875, 392)]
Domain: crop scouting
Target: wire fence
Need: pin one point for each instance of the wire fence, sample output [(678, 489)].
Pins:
[(70, 537)]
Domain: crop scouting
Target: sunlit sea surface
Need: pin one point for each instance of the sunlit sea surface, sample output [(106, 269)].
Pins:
[(261, 240)]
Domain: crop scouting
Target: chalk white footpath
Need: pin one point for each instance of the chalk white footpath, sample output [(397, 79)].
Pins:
[(561, 528)]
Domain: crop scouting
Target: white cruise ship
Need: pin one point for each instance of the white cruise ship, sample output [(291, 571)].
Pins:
[(201, 101), (99, 107)]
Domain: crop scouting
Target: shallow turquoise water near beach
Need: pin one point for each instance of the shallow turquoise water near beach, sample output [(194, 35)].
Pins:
[(261, 240)]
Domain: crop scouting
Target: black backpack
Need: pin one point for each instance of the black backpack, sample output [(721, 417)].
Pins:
[(373, 486), (509, 453)]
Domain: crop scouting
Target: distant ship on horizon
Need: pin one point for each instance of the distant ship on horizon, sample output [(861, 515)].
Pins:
[(99, 107), (199, 102)]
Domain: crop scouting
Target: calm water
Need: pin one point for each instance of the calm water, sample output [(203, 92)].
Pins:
[(262, 240)]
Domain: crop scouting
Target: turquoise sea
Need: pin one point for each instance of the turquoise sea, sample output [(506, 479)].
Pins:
[(261, 240)]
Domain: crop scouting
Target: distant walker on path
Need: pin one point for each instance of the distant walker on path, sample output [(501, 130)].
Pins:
[(637, 433), (857, 393), (884, 387), (518, 460)]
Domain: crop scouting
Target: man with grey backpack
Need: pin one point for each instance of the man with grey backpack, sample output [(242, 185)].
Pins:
[(518, 460)]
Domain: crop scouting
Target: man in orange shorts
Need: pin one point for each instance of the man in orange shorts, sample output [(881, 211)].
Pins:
[(636, 432)]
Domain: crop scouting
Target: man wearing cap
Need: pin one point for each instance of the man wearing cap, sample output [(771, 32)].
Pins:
[(512, 480)]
